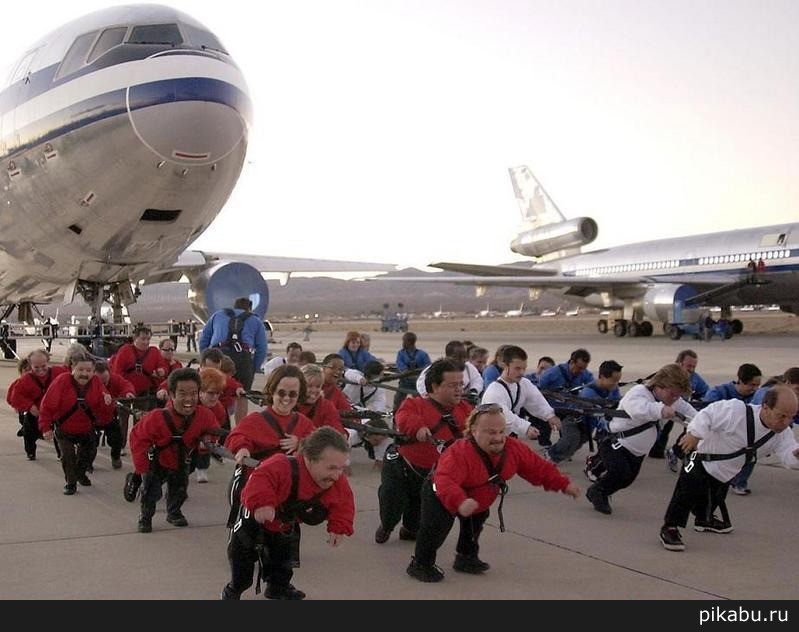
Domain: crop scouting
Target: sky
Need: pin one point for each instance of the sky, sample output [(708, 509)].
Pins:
[(383, 130)]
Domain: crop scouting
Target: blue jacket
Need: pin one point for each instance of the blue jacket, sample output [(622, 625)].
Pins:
[(559, 377), (253, 334), (698, 386), (594, 391), (492, 373), (407, 361), (725, 391), (357, 360)]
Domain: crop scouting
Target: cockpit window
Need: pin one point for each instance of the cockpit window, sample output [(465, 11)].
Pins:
[(201, 38), (107, 41), (156, 34), (76, 55)]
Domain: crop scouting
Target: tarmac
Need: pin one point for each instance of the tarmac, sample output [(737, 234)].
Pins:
[(86, 546)]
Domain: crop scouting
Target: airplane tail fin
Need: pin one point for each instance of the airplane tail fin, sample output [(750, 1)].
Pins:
[(536, 207)]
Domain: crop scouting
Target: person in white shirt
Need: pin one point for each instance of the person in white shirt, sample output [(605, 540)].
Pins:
[(630, 439), (478, 359), (472, 380), (515, 392), (720, 439), (362, 395), (293, 352)]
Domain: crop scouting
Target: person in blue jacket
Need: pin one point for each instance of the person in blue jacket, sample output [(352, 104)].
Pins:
[(355, 357)]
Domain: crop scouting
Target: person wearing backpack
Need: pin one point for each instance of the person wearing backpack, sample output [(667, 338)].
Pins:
[(720, 440), (240, 334), (466, 481), (282, 492)]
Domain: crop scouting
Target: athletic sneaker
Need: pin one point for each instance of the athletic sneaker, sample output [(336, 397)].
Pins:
[(713, 525), (671, 540), (740, 490), (672, 460)]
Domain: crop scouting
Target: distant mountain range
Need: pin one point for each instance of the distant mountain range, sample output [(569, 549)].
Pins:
[(333, 297)]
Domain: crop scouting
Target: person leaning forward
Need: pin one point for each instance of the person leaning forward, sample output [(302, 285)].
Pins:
[(719, 441), (281, 492), (161, 444), (467, 480), (239, 345), (432, 422)]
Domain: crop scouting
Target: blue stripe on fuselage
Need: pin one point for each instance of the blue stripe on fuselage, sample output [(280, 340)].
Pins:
[(114, 103)]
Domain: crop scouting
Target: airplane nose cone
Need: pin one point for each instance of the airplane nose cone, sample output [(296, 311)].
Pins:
[(188, 122)]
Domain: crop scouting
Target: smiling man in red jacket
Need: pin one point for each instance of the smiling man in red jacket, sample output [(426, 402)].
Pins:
[(467, 480)]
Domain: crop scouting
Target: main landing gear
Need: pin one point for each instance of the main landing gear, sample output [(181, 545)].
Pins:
[(623, 327)]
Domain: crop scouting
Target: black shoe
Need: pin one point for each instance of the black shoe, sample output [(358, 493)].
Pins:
[(598, 499), (116, 463), (670, 539), (427, 574), (31, 457), (473, 565), (713, 525), (178, 519), (228, 593), (145, 525), (381, 535), (69, 489), (288, 593), (84, 480), (405, 534)]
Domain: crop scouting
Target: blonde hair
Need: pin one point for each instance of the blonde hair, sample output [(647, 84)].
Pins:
[(671, 376), (477, 412)]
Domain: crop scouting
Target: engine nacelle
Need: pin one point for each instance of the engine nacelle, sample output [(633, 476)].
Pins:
[(218, 286), (665, 303), (553, 237)]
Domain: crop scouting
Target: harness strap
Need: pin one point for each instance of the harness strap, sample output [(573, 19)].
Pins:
[(80, 404), (494, 477), (749, 452)]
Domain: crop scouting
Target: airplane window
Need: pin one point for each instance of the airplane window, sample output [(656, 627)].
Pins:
[(76, 55), (201, 38), (156, 34), (107, 41)]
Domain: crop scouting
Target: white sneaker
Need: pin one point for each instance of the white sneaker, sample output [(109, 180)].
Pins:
[(741, 491), (202, 475)]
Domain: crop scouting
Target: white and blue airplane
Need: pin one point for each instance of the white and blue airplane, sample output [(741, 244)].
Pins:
[(674, 281), (122, 135)]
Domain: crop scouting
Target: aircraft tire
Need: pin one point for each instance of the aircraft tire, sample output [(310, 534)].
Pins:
[(602, 326), (620, 328)]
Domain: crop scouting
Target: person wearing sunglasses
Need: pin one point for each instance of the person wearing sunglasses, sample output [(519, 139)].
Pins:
[(276, 429), (467, 479), (167, 347)]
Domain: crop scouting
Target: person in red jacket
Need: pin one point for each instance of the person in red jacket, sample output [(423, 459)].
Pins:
[(28, 393), (167, 349), (142, 365), (316, 407), (161, 444), (277, 428), (23, 366), (333, 366), (213, 383), (75, 404), (282, 492), (467, 480), (431, 422), (118, 387)]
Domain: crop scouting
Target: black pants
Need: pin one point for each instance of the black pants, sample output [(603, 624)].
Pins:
[(77, 453), (176, 483), (696, 492), (398, 494), (659, 449), (249, 543), (30, 433), (245, 366), (113, 434), (437, 523), (544, 431), (621, 467)]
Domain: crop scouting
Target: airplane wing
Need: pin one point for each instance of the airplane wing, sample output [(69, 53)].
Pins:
[(504, 270)]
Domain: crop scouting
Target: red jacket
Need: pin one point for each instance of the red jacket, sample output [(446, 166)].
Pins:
[(461, 473), (269, 485), (118, 386), (323, 413), (228, 396), (254, 433), (172, 366), (62, 396), (153, 431), (29, 389), (416, 413), (333, 394), (143, 377)]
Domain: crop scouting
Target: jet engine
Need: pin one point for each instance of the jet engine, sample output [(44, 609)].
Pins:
[(218, 286), (665, 303), (538, 242)]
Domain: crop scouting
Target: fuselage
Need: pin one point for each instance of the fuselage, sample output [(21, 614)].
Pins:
[(122, 135)]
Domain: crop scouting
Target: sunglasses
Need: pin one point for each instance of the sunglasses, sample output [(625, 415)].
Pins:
[(290, 394)]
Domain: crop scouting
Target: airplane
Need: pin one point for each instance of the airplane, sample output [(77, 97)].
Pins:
[(122, 135), (673, 280), (515, 313)]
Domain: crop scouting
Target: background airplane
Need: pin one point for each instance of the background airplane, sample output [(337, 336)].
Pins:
[(515, 313), (673, 281), (122, 135)]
